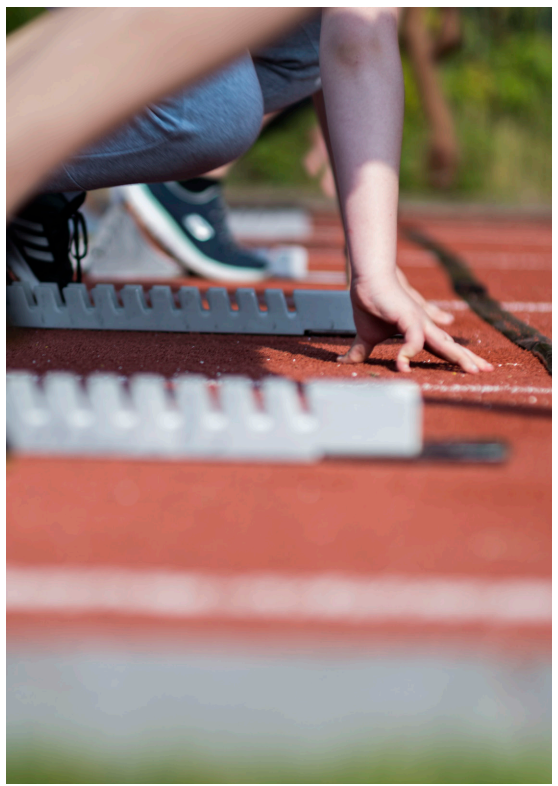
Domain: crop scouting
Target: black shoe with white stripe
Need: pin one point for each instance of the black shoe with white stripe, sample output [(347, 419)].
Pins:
[(189, 220), (40, 238)]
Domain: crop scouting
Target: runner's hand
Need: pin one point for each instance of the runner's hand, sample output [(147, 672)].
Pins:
[(381, 311), (437, 315)]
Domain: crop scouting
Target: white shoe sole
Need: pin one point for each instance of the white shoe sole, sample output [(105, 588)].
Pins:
[(156, 220), (286, 261)]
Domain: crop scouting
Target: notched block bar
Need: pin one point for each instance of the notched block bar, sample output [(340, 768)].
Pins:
[(54, 312), (315, 311), (110, 314), (81, 311), (21, 306), (166, 315), (148, 418), (325, 312)]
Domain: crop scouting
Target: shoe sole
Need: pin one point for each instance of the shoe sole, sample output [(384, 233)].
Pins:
[(155, 219)]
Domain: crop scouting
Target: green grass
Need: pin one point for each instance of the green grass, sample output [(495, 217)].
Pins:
[(51, 765), (276, 157)]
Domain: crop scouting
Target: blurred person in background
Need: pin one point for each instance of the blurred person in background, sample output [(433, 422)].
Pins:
[(426, 48)]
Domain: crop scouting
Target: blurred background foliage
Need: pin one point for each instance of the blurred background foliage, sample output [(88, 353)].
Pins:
[(17, 16), (499, 88)]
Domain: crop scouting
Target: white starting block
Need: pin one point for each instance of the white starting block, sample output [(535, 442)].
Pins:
[(184, 419)]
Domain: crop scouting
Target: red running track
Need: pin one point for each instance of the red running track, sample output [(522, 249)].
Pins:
[(358, 519)]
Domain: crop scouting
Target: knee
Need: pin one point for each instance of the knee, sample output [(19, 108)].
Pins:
[(235, 123), (223, 120)]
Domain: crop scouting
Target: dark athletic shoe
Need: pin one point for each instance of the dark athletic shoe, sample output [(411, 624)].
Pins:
[(189, 220), (39, 239)]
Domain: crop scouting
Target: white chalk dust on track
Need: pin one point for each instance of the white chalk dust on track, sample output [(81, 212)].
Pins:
[(276, 596)]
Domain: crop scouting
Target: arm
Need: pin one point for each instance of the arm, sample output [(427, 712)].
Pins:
[(78, 73), (363, 90), (444, 153), (437, 315)]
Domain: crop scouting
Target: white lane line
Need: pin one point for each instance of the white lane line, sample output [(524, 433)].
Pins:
[(338, 277), (481, 261), (504, 259), (514, 389), (517, 307), (319, 597), (269, 224), (326, 277), (502, 237)]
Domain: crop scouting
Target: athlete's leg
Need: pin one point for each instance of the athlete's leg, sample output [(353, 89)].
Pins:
[(181, 137), (61, 96), (188, 216)]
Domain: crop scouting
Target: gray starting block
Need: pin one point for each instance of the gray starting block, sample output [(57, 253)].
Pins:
[(148, 416), (315, 311)]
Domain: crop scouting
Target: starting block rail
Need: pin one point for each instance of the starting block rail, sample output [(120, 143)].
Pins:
[(148, 416), (101, 308)]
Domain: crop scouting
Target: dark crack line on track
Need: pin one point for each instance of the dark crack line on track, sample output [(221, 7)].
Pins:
[(475, 293)]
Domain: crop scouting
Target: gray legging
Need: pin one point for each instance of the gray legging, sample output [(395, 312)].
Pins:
[(203, 127)]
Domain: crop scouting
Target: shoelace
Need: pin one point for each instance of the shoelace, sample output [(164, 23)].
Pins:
[(67, 222), (78, 231)]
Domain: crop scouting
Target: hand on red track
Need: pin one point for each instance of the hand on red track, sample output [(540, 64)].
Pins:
[(437, 315), (381, 311)]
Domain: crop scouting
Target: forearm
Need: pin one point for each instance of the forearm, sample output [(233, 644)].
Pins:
[(319, 107), (363, 91), (75, 74)]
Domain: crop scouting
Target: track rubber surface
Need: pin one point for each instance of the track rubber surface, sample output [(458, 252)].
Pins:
[(354, 518)]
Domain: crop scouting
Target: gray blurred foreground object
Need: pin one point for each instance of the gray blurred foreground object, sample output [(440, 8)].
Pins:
[(122, 252), (153, 417), (114, 700), (315, 311)]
